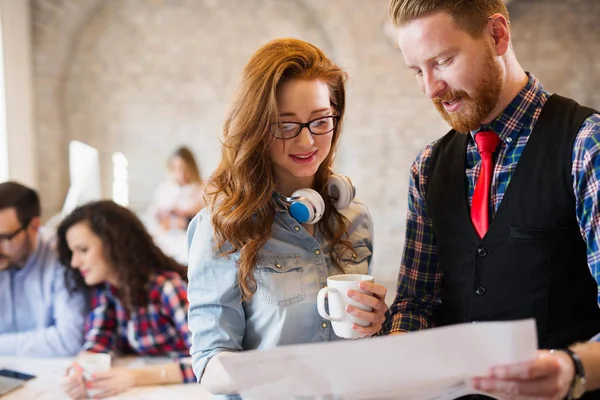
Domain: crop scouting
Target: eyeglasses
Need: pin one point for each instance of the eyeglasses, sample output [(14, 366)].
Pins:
[(6, 238), (319, 126)]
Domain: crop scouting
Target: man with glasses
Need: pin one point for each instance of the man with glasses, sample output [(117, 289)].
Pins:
[(38, 315), (503, 210)]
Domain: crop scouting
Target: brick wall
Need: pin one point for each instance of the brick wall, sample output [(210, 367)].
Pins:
[(143, 76)]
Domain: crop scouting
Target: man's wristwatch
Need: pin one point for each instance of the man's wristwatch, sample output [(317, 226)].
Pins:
[(578, 386)]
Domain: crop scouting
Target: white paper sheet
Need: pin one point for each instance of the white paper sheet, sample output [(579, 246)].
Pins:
[(430, 364)]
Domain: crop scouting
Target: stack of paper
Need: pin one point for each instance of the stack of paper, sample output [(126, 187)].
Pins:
[(431, 364)]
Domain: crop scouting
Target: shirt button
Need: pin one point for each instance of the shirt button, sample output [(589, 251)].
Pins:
[(508, 140), (317, 252), (296, 228), (324, 325), (353, 255), (481, 252), (277, 265), (480, 291)]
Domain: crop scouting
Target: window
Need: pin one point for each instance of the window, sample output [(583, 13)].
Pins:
[(120, 185)]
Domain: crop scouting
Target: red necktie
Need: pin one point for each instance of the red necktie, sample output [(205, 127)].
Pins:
[(487, 141)]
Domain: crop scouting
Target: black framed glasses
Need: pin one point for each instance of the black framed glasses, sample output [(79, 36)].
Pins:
[(7, 237), (319, 126)]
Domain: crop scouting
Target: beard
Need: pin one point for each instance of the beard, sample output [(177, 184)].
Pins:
[(478, 105), (5, 262), (20, 258)]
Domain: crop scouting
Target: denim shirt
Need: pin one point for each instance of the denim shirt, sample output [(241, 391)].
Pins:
[(292, 267)]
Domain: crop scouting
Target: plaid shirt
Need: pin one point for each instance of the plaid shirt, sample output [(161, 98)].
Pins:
[(419, 281), (158, 328)]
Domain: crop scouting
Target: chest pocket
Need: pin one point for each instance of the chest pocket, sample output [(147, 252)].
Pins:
[(543, 246), (356, 261), (279, 279), (541, 235)]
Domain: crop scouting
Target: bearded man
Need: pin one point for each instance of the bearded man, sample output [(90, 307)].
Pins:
[(503, 219), (38, 315)]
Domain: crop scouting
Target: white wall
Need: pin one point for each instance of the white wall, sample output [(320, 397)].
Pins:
[(3, 136), (142, 77), (18, 108)]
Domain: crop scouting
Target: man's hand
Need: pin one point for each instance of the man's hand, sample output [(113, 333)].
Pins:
[(548, 377)]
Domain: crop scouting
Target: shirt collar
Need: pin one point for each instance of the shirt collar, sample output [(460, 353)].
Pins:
[(510, 121), (34, 256), (110, 291)]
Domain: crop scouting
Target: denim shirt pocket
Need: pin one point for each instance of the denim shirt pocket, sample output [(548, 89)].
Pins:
[(279, 279), (356, 261)]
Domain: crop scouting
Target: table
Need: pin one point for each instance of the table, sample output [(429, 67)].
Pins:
[(49, 371)]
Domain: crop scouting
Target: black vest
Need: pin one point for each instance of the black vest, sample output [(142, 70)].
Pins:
[(532, 261)]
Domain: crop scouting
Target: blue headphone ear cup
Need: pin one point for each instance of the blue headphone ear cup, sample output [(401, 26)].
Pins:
[(340, 187), (301, 211), (308, 206)]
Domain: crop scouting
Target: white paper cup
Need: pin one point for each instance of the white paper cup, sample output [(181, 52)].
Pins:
[(92, 363)]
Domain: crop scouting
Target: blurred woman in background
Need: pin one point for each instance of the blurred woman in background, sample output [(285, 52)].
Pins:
[(178, 199)]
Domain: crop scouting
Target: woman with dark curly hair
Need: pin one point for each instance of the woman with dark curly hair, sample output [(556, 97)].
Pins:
[(139, 301)]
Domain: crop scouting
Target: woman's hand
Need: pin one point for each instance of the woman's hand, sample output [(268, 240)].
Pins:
[(164, 222), (181, 212), (73, 383), (181, 222), (112, 382), (374, 299)]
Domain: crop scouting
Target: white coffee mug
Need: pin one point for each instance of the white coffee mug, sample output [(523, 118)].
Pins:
[(92, 363), (336, 292)]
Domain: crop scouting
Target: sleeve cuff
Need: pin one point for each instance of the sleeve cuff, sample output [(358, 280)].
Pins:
[(199, 363), (403, 323)]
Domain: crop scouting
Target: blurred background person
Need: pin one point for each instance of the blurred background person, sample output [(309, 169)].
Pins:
[(179, 198), (38, 316), (139, 300)]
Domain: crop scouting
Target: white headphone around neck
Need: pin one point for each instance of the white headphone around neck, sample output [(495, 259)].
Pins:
[(307, 206)]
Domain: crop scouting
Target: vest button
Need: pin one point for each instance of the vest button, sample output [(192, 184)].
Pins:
[(480, 291), (481, 252)]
